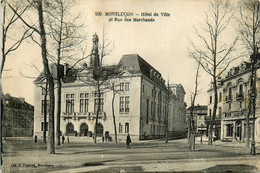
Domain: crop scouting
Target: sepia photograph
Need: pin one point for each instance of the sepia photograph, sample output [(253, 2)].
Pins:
[(130, 86)]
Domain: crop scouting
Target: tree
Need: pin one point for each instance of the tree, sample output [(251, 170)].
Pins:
[(216, 55), (66, 38), (9, 20), (37, 5), (249, 25), (191, 130)]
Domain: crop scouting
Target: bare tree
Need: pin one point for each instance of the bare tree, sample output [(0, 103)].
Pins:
[(38, 6), (215, 54), (9, 20), (66, 38), (191, 129), (249, 25)]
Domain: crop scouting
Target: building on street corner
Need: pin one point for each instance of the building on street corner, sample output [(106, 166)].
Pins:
[(141, 101), (233, 101)]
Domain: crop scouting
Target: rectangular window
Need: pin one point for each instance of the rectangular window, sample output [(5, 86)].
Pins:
[(127, 104), (219, 111), (151, 107), (69, 103), (127, 86), (220, 97), (101, 109), (210, 99), (47, 108), (121, 106), (83, 102), (126, 127), (120, 128), (121, 86), (147, 110), (42, 126)]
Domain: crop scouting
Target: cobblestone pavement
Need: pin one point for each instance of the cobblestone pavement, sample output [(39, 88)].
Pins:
[(82, 155)]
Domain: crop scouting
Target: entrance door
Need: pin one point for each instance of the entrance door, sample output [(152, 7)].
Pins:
[(70, 129), (83, 129), (100, 130)]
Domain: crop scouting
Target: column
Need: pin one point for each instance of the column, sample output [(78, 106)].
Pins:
[(243, 131), (234, 130)]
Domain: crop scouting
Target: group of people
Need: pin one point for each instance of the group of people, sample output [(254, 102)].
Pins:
[(63, 139), (107, 137)]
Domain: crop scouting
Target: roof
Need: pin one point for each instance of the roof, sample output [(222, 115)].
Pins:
[(15, 102), (135, 64)]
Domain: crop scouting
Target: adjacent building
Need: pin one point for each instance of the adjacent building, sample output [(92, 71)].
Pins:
[(140, 97), (17, 118), (199, 116), (233, 100)]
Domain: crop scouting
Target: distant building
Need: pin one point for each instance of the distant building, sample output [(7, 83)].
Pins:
[(177, 121), (199, 115), (17, 118), (140, 104), (233, 100)]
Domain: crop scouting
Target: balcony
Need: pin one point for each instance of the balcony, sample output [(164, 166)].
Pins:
[(239, 96), (88, 115), (101, 115)]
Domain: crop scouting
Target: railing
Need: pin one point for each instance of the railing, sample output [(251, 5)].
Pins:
[(88, 115)]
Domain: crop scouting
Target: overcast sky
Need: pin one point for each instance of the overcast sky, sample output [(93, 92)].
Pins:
[(162, 43)]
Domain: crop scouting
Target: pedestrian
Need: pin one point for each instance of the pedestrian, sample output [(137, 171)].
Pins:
[(68, 139), (128, 141), (63, 139), (35, 138), (103, 138)]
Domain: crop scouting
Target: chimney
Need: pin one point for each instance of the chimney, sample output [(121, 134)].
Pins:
[(66, 66)]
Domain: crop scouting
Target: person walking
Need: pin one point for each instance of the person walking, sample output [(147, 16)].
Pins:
[(128, 141), (63, 139), (68, 139), (35, 138)]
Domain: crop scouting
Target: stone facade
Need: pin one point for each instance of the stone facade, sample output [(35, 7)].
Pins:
[(17, 118), (233, 102), (140, 104)]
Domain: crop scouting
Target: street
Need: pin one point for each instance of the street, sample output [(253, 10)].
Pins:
[(23, 155)]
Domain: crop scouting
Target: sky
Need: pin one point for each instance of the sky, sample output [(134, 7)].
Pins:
[(162, 43)]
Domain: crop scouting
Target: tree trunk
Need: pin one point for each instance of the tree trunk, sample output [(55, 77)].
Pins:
[(58, 110), (189, 126), (113, 112), (3, 38), (51, 136), (50, 145), (98, 110), (210, 133), (192, 142), (45, 113)]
